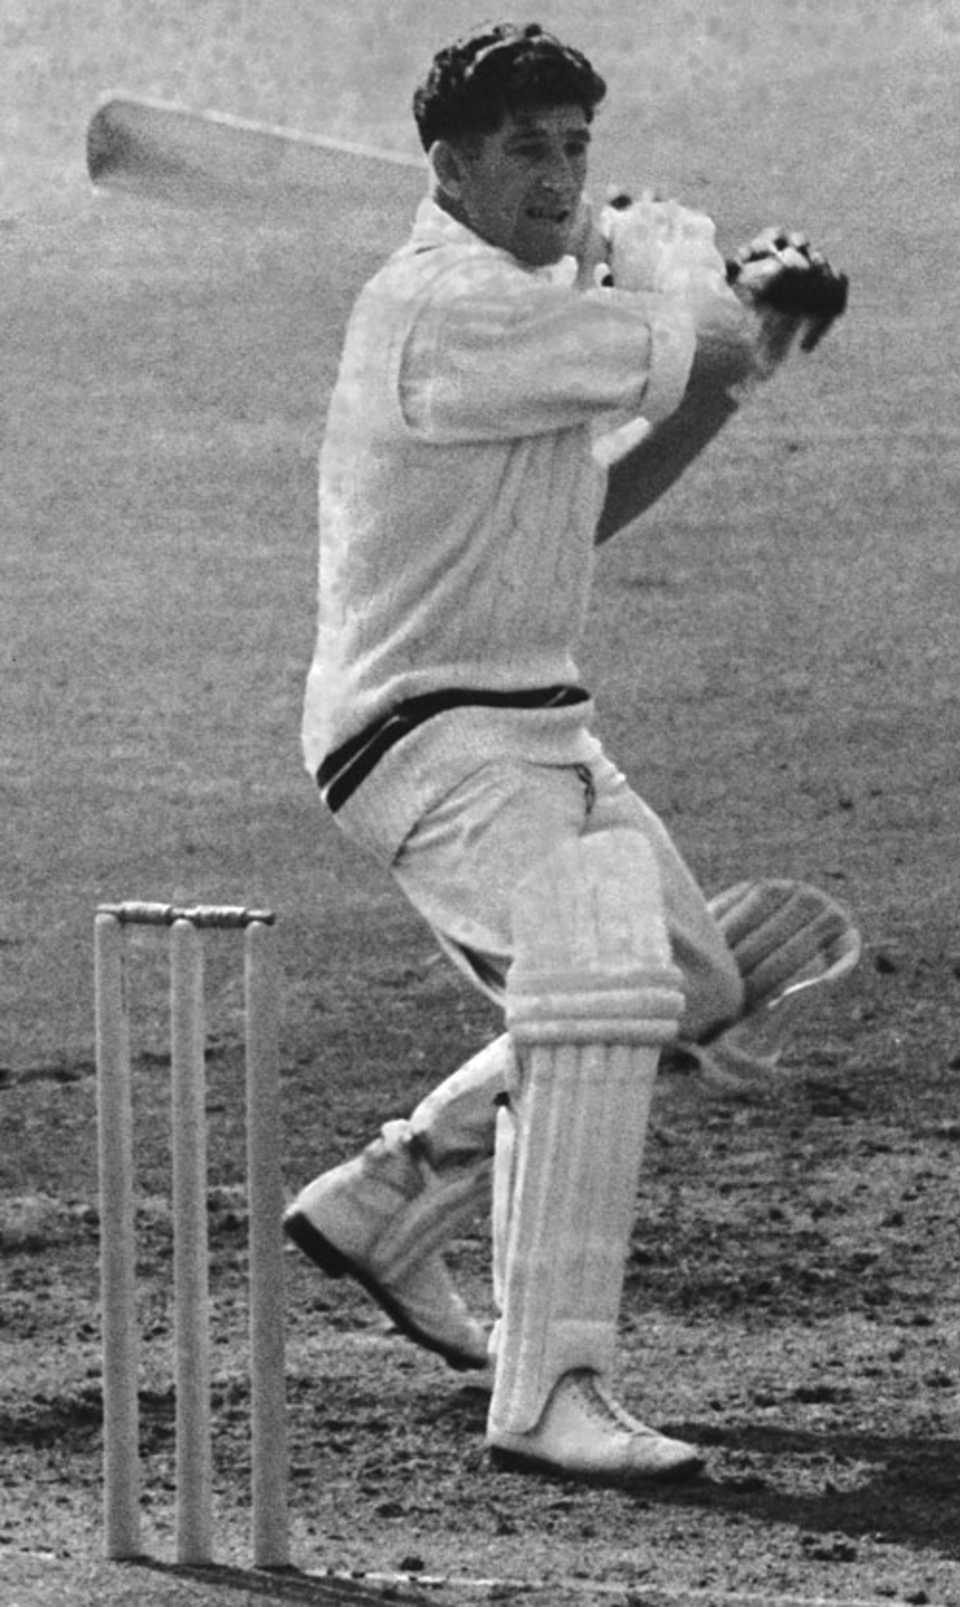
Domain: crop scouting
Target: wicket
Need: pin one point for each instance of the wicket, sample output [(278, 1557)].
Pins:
[(194, 1514)]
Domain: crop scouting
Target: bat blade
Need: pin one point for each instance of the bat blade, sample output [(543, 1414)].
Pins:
[(162, 150)]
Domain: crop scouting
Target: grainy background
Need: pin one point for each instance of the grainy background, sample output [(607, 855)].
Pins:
[(777, 659)]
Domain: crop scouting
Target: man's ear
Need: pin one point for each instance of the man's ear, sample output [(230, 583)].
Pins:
[(446, 163)]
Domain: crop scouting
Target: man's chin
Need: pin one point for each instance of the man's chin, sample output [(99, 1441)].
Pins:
[(541, 247)]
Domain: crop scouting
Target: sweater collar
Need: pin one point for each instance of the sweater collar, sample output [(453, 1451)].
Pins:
[(433, 226)]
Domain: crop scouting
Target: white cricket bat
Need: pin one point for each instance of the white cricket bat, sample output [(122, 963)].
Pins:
[(164, 151), (159, 149)]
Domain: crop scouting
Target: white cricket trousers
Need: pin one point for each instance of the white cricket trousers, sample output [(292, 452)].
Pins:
[(460, 867)]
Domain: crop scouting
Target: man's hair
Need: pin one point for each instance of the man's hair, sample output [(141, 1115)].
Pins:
[(499, 69)]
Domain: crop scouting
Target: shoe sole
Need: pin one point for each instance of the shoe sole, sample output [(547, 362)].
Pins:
[(520, 1462), (318, 1249)]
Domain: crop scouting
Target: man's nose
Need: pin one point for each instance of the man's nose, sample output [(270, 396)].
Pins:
[(558, 171)]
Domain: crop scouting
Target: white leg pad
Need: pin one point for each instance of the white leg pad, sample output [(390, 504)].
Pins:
[(591, 998), (789, 940), (448, 1202), (504, 1176)]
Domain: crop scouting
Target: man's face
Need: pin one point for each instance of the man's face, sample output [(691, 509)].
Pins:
[(520, 187)]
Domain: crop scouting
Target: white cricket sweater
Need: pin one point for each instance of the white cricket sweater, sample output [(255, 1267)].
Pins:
[(458, 502)]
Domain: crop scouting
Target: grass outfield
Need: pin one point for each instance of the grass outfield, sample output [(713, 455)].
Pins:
[(776, 657), (772, 651), (775, 640)]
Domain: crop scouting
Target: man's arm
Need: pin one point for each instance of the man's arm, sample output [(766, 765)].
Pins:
[(496, 354), (746, 326), (724, 362)]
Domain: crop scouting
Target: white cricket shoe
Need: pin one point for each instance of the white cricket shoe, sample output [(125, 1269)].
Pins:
[(380, 1219), (584, 1434)]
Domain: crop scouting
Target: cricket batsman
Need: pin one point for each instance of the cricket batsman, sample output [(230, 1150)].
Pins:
[(517, 352)]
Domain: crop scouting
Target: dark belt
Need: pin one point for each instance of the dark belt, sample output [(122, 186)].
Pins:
[(343, 770)]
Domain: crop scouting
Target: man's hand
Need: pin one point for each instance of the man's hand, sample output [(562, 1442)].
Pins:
[(590, 246), (663, 247), (780, 271)]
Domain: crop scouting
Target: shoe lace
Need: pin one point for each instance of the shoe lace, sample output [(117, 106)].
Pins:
[(602, 1407)]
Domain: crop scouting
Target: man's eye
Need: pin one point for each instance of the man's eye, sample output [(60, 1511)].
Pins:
[(576, 150)]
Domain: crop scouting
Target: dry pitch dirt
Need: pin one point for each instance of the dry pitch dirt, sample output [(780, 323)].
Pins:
[(777, 657)]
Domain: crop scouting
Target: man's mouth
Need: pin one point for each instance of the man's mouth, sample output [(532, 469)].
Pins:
[(551, 214)]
